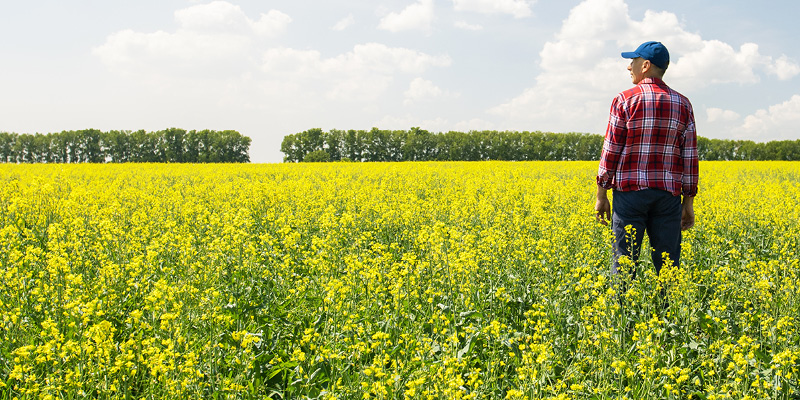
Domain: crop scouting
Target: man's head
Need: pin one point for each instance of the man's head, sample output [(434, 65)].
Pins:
[(649, 60)]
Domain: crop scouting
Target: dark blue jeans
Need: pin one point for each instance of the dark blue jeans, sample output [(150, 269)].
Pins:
[(656, 212)]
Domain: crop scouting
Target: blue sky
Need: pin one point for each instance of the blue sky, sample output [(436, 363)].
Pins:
[(272, 68)]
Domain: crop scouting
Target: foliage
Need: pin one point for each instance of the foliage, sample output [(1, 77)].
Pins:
[(317, 156), (747, 150), (387, 281), (420, 145), (93, 146)]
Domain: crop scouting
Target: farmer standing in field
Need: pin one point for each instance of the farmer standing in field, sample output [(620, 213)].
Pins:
[(650, 160)]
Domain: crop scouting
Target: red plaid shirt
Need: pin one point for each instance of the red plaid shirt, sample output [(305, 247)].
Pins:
[(650, 141)]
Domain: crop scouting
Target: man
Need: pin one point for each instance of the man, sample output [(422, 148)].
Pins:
[(649, 159)]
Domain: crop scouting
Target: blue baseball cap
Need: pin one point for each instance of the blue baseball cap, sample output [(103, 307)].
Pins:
[(654, 51)]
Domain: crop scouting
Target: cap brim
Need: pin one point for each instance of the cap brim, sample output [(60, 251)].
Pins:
[(630, 54)]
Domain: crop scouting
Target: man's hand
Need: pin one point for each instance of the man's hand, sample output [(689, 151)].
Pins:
[(603, 206), (687, 213)]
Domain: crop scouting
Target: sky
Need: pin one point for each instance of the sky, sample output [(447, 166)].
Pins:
[(270, 68)]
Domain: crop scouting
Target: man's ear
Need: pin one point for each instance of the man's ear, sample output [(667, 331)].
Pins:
[(646, 66)]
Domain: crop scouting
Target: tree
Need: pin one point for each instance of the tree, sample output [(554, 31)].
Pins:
[(116, 146), (377, 145), (310, 140), (95, 146), (191, 147), (317, 156), (290, 149), (419, 145), (353, 146), (173, 144), (90, 149), (24, 149), (235, 147), (7, 144), (453, 146), (333, 143), (72, 146), (42, 153)]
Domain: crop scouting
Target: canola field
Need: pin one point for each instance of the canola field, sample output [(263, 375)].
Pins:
[(484, 280)]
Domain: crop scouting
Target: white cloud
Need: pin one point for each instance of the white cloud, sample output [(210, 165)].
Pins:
[(182, 53), (289, 62), (221, 16), (361, 74), (421, 89), (517, 8), (467, 26), (698, 63), (779, 122), (417, 16), (474, 124), (579, 75), (214, 40), (381, 58), (720, 115), (272, 23), (344, 23), (581, 70), (220, 52), (784, 68), (424, 91), (714, 62)]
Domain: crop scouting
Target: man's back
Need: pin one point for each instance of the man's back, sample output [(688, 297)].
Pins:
[(651, 141)]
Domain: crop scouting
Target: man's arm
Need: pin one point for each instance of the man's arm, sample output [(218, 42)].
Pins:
[(602, 206), (687, 213), (691, 170), (613, 143)]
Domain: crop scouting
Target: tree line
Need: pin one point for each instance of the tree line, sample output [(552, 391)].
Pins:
[(417, 144), (421, 145), (747, 150), (171, 145)]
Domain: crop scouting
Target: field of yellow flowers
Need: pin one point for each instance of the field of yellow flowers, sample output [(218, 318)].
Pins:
[(387, 281)]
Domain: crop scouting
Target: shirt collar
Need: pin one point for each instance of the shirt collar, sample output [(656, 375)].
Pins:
[(651, 81)]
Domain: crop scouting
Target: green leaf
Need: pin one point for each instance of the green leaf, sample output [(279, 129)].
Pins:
[(467, 347), (467, 315)]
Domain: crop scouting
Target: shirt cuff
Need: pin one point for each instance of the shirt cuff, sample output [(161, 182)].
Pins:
[(604, 181)]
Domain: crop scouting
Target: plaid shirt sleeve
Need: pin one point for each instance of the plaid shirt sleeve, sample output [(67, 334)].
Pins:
[(613, 145), (691, 171)]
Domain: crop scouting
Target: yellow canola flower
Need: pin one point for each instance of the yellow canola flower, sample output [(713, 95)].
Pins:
[(387, 280)]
